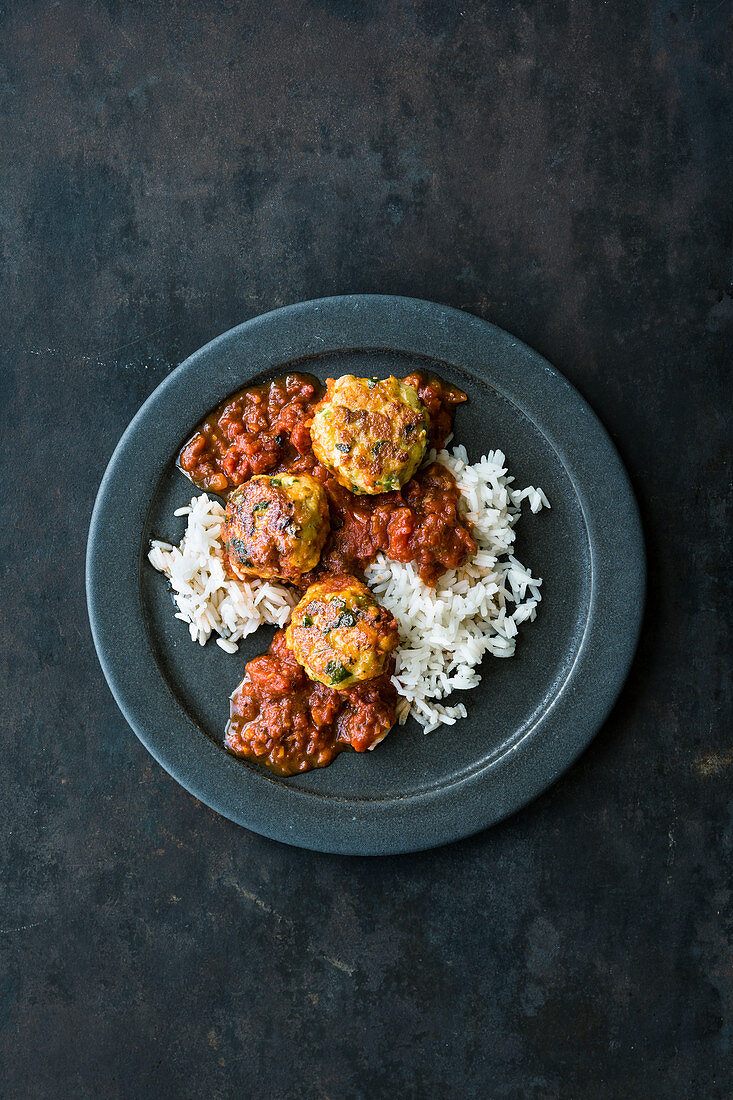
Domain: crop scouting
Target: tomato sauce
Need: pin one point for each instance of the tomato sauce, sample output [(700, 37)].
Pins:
[(267, 429), (278, 716), (259, 429)]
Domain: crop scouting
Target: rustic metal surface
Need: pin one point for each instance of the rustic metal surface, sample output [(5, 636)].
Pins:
[(560, 169)]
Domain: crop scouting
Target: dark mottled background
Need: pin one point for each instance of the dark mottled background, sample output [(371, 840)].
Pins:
[(167, 170)]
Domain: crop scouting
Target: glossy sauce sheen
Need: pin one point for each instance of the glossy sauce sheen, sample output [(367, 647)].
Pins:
[(278, 716)]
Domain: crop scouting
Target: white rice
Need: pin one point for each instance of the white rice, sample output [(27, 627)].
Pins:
[(477, 609), (208, 602), (445, 631)]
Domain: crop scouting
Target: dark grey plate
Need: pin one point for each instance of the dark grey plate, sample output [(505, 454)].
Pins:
[(530, 717)]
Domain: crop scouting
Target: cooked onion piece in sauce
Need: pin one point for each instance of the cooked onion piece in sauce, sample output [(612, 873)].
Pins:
[(340, 634), (276, 527), (370, 433)]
